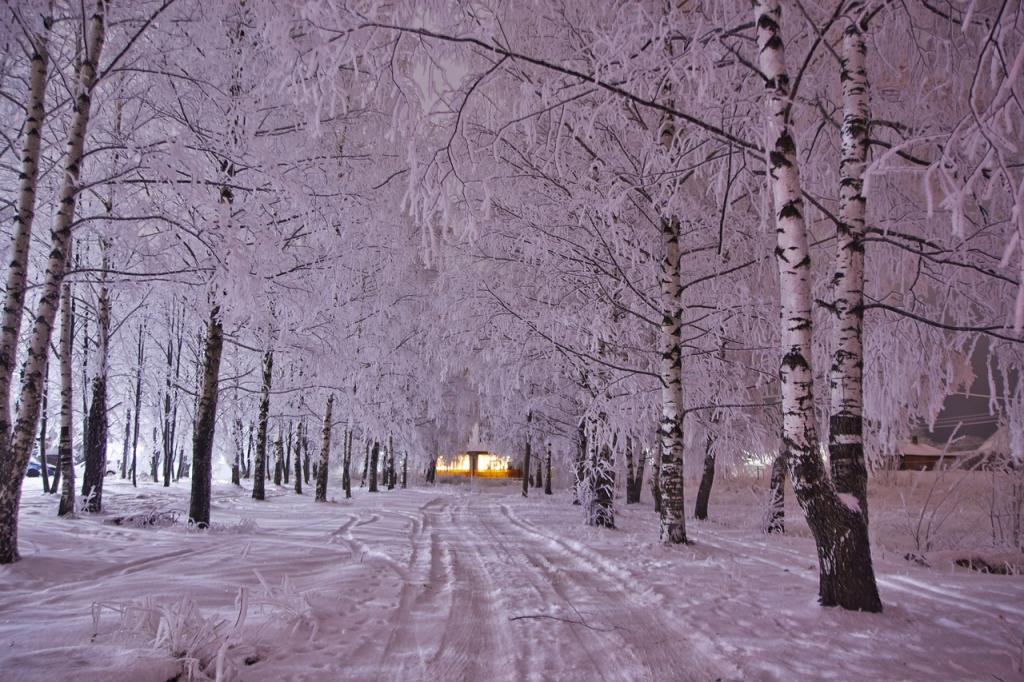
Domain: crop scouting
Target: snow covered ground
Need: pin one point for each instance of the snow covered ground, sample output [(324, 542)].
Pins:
[(460, 583)]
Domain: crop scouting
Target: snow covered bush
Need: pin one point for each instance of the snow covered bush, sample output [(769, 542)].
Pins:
[(201, 643)]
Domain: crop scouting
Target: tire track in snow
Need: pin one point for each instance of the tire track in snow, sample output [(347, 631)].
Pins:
[(412, 637), (568, 565), (529, 663)]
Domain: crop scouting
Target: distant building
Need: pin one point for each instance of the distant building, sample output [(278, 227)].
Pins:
[(919, 456), (994, 451)]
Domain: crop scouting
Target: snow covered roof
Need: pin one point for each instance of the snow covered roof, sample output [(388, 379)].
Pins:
[(911, 448)]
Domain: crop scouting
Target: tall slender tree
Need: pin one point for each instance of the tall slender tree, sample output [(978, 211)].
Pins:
[(846, 575)]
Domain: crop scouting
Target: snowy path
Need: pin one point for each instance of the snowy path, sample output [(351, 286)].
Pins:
[(448, 584)]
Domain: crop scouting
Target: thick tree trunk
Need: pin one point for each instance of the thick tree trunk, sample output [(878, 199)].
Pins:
[(206, 422), (24, 216), (325, 453), (547, 467), (96, 448), (775, 515), (846, 377), (65, 455), (96, 434), (707, 479), (846, 575), (14, 454), (259, 475), (673, 516), (405, 469)]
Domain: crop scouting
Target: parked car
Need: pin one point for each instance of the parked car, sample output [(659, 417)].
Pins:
[(35, 470)]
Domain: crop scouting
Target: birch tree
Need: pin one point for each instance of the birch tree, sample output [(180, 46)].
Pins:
[(846, 575), (16, 450)]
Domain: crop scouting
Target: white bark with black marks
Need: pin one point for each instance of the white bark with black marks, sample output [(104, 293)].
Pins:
[(24, 216), (65, 456), (260, 465), (16, 452), (846, 576), (325, 453), (205, 426), (846, 377), (673, 514), (97, 424)]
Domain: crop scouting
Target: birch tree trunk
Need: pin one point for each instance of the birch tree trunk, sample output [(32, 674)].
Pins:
[(24, 216), (42, 434), (236, 466), (673, 516), (286, 463), (259, 475), (140, 356), (65, 456), (206, 422), (298, 459), (325, 454), (16, 452), (96, 433), (846, 377), (846, 576)]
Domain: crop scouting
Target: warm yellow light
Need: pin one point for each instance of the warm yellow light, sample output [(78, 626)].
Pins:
[(487, 464), (458, 464), (492, 463)]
